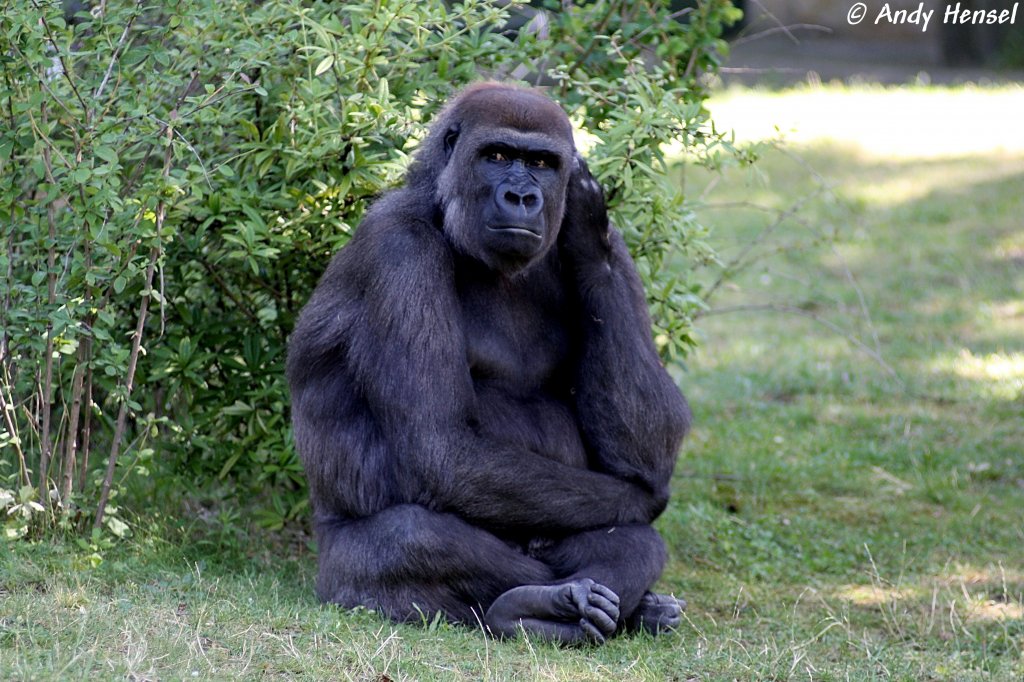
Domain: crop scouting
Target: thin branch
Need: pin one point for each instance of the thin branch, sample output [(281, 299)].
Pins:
[(7, 407), (210, 101), (60, 55), (780, 29), (828, 188), (633, 40), (122, 414), (184, 140), (737, 262), (800, 312), (8, 299), (77, 390), (51, 300), (597, 32), (227, 290), (83, 467), (41, 80), (117, 51), (49, 144), (141, 165), (778, 23), (750, 69), (133, 358)]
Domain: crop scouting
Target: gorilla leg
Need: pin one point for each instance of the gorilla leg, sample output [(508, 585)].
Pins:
[(626, 559), (409, 563)]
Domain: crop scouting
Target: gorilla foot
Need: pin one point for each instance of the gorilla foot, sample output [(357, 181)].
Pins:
[(570, 613), (656, 613)]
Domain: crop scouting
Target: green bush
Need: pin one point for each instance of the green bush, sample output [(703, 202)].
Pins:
[(175, 176)]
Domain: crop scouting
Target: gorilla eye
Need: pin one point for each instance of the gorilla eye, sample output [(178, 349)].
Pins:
[(497, 157), (538, 163)]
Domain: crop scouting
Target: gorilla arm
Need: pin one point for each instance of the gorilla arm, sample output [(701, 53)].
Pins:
[(632, 415), (386, 322)]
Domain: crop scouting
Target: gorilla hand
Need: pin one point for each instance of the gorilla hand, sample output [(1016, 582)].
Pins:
[(585, 232)]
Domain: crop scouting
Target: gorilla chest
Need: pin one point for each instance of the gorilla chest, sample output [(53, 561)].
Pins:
[(516, 341)]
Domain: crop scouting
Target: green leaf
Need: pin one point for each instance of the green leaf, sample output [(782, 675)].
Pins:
[(116, 526), (325, 63), (106, 153)]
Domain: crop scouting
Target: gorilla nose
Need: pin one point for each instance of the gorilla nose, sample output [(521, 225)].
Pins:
[(524, 203)]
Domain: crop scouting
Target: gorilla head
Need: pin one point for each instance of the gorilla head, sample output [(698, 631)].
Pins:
[(502, 157)]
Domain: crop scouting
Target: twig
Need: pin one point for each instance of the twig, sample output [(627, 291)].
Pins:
[(122, 414), (227, 290), (8, 409), (737, 262), (793, 310), (71, 451), (598, 31), (780, 29), (206, 173), (828, 187), (51, 299), (141, 165), (83, 467), (8, 300), (133, 358), (42, 80), (117, 51), (778, 23), (672, 17), (713, 477), (751, 69), (60, 55)]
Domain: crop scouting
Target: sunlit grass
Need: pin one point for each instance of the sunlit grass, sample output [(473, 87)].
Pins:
[(887, 123), (1002, 374), (902, 497)]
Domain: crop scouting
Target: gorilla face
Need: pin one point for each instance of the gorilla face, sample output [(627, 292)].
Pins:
[(513, 180), (507, 165)]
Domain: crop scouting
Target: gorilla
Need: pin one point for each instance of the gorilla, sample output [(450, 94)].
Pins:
[(484, 422)]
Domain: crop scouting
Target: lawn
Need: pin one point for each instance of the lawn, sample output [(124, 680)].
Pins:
[(849, 505)]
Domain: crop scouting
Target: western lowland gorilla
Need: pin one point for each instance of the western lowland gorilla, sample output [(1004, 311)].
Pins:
[(485, 424)]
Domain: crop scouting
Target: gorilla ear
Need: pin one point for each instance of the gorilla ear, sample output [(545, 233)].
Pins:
[(450, 138)]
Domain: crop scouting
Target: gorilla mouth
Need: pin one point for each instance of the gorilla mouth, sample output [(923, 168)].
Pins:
[(519, 230)]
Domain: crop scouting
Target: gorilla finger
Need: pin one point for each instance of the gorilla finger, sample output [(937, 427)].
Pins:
[(579, 591), (605, 592), (598, 601), (591, 631), (580, 165), (601, 620)]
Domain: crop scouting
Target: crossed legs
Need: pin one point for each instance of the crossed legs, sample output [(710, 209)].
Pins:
[(409, 563)]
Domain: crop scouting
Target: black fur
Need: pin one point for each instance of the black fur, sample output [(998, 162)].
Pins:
[(484, 421)]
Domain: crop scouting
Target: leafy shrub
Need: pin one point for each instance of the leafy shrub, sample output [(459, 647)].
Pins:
[(175, 176)]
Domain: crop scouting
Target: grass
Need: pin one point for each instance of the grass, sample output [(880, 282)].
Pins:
[(830, 521)]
